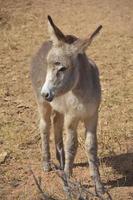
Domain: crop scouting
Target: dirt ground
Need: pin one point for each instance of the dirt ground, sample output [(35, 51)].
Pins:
[(23, 27)]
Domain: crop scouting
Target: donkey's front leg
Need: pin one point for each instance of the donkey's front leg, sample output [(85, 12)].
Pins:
[(58, 120), (45, 112), (71, 143), (91, 149)]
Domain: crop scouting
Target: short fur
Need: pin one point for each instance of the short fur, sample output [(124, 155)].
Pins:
[(76, 97)]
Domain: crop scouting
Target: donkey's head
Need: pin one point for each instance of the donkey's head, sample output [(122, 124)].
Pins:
[(62, 73)]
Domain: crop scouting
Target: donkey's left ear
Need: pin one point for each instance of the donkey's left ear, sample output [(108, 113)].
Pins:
[(81, 45), (55, 33)]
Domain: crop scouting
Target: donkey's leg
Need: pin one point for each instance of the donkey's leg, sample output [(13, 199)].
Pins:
[(91, 149), (45, 112), (58, 120), (71, 144)]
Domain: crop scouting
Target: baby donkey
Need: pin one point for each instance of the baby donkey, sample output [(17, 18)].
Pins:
[(66, 82)]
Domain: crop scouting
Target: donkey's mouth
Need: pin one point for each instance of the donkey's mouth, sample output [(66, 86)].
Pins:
[(49, 99)]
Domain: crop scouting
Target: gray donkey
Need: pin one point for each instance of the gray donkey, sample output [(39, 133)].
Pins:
[(66, 82)]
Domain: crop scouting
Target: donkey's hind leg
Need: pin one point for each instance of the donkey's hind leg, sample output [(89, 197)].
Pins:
[(45, 112), (91, 150), (58, 121)]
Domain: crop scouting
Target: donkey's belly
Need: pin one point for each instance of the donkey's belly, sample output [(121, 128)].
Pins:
[(70, 104)]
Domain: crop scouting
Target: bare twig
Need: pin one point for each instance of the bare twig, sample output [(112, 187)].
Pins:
[(38, 184), (74, 190), (64, 179)]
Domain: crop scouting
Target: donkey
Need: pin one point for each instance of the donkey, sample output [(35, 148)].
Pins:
[(66, 82)]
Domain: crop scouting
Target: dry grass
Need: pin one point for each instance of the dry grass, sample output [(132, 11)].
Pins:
[(23, 28)]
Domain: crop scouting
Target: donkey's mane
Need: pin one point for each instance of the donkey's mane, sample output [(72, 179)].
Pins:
[(70, 39)]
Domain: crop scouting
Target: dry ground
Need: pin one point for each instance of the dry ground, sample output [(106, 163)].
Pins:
[(23, 27)]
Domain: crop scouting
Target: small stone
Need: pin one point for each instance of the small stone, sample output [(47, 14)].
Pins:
[(14, 183), (3, 157)]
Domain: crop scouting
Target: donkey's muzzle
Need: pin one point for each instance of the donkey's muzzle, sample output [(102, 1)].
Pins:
[(48, 96)]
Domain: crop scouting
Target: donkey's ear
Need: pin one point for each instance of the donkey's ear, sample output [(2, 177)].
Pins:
[(55, 33), (81, 45)]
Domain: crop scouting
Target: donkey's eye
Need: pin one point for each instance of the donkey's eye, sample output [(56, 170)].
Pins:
[(57, 63), (62, 69)]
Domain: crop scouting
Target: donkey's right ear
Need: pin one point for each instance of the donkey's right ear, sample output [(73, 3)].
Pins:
[(81, 45), (55, 33)]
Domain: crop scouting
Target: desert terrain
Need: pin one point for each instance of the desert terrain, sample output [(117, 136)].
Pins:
[(23, 28)]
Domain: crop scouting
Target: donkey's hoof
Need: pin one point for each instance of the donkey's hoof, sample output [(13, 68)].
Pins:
[(100, 190), (47, 167), (68, 172), (105, 196)]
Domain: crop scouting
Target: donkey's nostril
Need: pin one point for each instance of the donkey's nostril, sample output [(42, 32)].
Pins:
[(46, 95)]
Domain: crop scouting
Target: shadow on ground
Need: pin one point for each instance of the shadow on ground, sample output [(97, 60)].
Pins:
[(123, 164)]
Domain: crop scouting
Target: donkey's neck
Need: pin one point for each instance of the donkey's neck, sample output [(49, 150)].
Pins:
[(84, 80)]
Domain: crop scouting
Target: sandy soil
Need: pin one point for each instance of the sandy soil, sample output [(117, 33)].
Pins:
[(23, 27)]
